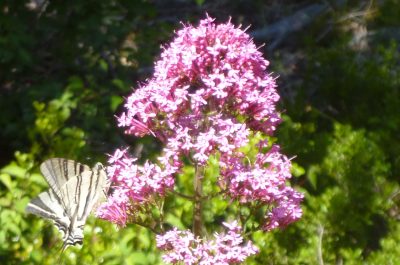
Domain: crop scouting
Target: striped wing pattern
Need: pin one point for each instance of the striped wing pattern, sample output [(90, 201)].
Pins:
[(57, 171), (47, 205), (71, 196)]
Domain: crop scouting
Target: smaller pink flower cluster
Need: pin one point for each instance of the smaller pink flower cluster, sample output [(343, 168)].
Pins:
[(133, 185), (226, 248), (265, 182)]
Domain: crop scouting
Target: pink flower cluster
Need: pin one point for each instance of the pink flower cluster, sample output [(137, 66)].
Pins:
[(206, 77), (133, 185), (224, 249), (263, 182), (209, 93)]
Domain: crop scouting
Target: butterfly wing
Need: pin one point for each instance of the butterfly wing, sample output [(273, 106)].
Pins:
[(57, 172), (48, 206), (74, 190), (80, 194)]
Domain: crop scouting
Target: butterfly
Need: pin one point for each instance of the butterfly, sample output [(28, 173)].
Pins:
[(75, 189)]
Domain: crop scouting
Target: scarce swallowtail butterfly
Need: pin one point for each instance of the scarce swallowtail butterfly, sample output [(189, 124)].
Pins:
[(75, 189)]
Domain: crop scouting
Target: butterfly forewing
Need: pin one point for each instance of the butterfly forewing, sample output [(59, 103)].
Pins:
[(57, 171)]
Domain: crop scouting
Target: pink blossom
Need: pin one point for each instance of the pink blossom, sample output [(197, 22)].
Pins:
[(205, 70), (225, 248), (134, 185), (265, 181), (115, 209)]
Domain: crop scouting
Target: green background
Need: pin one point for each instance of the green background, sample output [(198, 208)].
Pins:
[(66, 66)]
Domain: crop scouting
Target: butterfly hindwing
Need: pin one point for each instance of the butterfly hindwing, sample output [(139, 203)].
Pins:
[(48, 206), (82, 192)]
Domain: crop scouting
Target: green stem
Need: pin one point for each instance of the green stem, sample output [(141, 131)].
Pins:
[(197, 209)]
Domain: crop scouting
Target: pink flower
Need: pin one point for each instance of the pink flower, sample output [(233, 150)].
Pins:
[(115, 209), (225, 248), (133, 185), (205, 70), (265, 181)]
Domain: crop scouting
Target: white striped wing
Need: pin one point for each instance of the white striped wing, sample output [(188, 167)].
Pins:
[(47, 205), (57, 171), (82, 192), (71, 198)]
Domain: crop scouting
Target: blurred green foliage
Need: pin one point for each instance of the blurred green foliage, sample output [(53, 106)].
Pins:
[(66, 66)]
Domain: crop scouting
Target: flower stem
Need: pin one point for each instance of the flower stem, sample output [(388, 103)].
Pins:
[(197, 209)]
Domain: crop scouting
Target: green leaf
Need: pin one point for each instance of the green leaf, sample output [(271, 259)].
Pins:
[(115, 101), (9, 221), (103, 65), (119, 84), (14, 170), (20, 205), (139, 258), (297, 170), (200, 2), (75, 83), (37, 179), (6, 180), (5, 201), (174, 221), (39, 106), (312, 176)]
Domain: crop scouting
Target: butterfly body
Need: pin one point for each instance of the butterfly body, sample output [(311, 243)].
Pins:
[(74, 191)]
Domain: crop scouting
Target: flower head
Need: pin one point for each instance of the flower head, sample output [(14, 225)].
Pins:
[(205, 78)]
